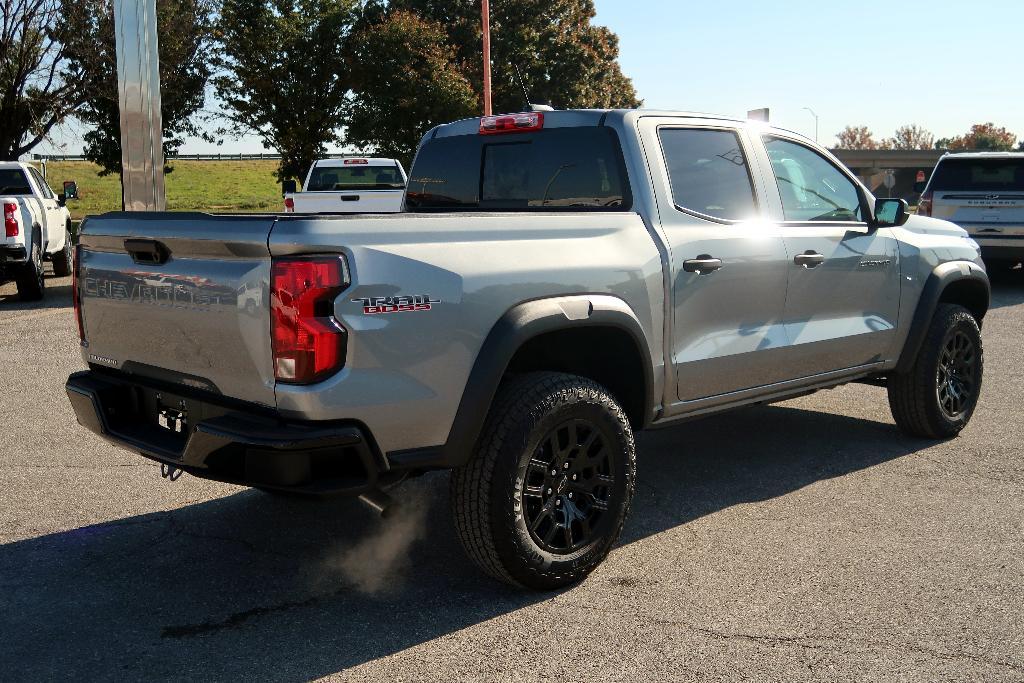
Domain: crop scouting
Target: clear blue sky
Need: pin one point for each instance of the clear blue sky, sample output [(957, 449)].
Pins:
[(942, 64)]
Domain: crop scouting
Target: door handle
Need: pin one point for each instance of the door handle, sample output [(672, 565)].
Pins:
[(705, 263), (809, 259)]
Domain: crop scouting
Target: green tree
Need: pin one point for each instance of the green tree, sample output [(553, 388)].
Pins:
[(284, 76), (405, 81), (87, 31), (564, 59), (34, 94)]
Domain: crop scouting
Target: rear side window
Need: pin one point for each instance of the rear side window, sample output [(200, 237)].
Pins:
[(13, 181), (709, 172), (569, 169), (330, 178), (979, 175)]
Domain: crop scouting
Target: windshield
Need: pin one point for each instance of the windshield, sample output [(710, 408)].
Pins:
[(979, 175), (13, 181), (571, 169), (332, 178)]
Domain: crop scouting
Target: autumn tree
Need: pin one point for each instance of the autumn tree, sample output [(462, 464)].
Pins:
[(856, 137), (35, 95), (910, 137), (283, 74), (982, 136), (405, 82), (87, 31)]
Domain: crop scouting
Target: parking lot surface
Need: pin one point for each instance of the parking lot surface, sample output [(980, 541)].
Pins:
[(808, 540)]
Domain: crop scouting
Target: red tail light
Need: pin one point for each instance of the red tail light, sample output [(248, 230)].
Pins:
[(512, 123), (924, 206), (76, 295), (289, 205), (309, 344), (11, 219)]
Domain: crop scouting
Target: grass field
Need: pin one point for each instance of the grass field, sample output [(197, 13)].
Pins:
[(191, 186)]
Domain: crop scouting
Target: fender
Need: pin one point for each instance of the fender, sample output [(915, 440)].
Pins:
[(517, 326), (941, 277)]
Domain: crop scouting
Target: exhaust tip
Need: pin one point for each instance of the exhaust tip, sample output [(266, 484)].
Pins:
[(380, 502)]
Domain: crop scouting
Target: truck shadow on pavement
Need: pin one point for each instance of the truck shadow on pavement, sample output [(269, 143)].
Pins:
[(1007, 287), (57, 296), (253, 586)]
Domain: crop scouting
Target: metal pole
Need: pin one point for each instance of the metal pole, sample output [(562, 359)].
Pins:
[(485, 12), (815, 122), (138, 84)]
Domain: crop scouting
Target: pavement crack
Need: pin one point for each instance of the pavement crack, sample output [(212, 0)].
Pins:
[(233, 621)]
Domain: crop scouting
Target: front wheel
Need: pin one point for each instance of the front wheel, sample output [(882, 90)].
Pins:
[(62, 259), (547, 491), (937, 396)]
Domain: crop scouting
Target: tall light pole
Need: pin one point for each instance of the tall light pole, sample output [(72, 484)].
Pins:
[(815, 122), (485, 14)]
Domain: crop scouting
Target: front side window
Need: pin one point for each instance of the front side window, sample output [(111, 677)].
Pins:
[(812, 189), (44, 189), (708, 172)]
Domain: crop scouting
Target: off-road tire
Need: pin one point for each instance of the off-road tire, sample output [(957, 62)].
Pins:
[(31, 285), (62, 259), (489, 494), (914, 395)]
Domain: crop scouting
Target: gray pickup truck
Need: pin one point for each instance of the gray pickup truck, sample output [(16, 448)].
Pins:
[(556, 281)]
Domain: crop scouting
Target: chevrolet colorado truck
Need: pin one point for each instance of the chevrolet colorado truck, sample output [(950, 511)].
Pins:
[(556, 281), (37, 226), (349, 185)]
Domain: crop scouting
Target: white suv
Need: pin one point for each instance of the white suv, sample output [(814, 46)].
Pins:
[(982, 192)]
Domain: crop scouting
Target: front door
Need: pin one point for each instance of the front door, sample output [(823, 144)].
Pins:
[(728, 260), (843, 296)]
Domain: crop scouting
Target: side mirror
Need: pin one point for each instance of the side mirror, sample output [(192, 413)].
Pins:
[(70, 190), (891, 213), (920, 185), (289, 187)]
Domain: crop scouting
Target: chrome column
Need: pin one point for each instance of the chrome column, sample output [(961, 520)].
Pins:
[(138, 84)]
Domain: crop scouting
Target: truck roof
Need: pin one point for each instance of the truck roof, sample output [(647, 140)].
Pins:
[(983, 155), (566, 118)]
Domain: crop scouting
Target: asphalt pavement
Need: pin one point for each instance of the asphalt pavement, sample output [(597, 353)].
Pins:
[(809, 540)]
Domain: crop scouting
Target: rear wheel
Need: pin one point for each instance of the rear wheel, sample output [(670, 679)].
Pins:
[(937, 397), (31, 285), (546, 494), (62, 259)]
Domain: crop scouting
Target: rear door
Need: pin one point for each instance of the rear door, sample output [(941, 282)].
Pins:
[(51, 212), (843, 293), (181, 298), (728, 260), (983, 195)]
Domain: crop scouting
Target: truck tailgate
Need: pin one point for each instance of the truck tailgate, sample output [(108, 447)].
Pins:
[(181, 298)]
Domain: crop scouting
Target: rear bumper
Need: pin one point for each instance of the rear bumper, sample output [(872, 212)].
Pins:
[(228, 443), (11, 258)]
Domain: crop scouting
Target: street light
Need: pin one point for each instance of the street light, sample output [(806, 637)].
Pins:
[(815, 122)]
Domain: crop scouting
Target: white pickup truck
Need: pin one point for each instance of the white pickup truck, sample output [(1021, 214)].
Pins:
[(349, 185), (37, 226)]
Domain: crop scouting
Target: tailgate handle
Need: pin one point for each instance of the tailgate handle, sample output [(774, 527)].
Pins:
[(150, 252), (350, 198)]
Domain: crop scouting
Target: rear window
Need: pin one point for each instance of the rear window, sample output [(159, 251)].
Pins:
[(331, 178), (569, 169), (13, 181), (980, 175)]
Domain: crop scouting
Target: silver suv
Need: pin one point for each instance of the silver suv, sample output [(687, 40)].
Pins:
[(982, 192)]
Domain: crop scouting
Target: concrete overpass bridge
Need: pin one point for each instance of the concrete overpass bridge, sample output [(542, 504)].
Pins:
[(871, 165)]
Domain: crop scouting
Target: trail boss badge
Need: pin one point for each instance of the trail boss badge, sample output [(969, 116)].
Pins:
[(374, 305)]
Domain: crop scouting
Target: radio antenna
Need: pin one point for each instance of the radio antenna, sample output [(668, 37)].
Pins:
[(523, 86)]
